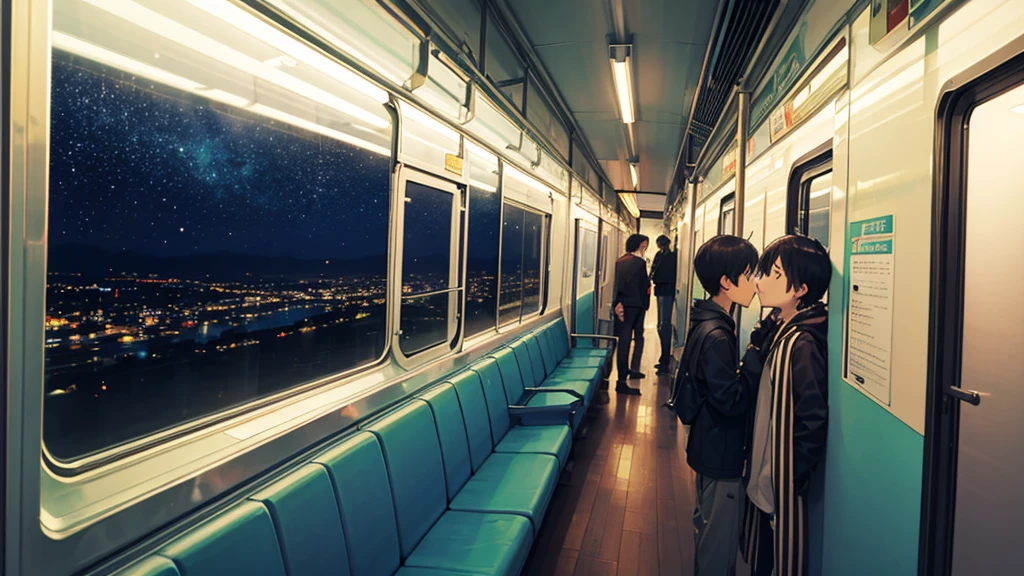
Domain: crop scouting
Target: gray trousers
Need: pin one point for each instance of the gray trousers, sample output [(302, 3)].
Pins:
[(717, 522)]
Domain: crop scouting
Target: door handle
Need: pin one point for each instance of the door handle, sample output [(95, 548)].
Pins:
[(969, 396)]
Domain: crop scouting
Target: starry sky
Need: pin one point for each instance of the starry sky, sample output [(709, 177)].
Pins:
[(158, 171)]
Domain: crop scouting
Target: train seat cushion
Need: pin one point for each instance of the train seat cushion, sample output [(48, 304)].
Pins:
[(559, 337), (408, 438), (473, 543), (241, 540), (475, 415), (532, 352), (511, 375), (494, 393), (589, 374), (363, 492), (530, 376), (547, 353), (154, 565), (553, 440), (511, 484), (451, 432), (305, 514), (583, 361)]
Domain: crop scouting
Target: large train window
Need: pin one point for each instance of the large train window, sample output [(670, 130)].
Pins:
[(522, 249), (727, 215), (213, 238), (482, 247), (431, 283), (810, 195)]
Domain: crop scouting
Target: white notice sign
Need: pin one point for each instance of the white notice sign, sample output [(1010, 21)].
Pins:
[(868, 350)]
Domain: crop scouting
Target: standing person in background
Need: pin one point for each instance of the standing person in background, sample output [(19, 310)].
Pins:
[(630, 302), (663, 275)]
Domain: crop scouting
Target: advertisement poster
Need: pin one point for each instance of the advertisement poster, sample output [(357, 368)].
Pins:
[(868, 348)]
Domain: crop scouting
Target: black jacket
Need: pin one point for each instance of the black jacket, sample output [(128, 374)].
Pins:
[(716, 447), (663, 273), (631, 283), (807, 367)]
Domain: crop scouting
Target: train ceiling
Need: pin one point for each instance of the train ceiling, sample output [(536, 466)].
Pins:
[(669, 40)]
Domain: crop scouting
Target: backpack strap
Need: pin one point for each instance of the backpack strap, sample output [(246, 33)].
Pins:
[(690, 361)]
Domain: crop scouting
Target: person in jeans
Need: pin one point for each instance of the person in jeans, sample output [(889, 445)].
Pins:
[(716, 446), (630, 303), (663, 275)]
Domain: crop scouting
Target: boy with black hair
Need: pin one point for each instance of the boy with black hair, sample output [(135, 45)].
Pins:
[(791, 416), (714, 399), (632, 297)]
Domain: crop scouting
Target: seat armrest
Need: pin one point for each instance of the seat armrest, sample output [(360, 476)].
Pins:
[(614, 339), (543, 415), (570, 391)]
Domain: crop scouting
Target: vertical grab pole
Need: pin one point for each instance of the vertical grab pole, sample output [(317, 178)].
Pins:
[(742, 120)]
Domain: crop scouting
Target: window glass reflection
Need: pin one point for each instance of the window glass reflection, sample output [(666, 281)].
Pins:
[(200, 256)]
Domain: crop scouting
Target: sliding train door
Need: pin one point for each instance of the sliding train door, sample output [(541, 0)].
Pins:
[(974, 470)]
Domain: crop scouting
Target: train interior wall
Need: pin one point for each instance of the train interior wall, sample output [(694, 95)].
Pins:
[(882, 132)]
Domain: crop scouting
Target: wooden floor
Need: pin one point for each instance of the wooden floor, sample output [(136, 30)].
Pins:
[(628, 507)]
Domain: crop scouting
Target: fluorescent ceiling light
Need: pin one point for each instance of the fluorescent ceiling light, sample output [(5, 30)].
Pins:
[(318, 128), (92, 52), (635, 174), (141, 69), (623, 77), (186, 36), (1018, 109), (481, 155), (259, 29), (481, 186), (517, 175), (838, 61), (801, 97), (411, 113), (389, 72), (629, 201)]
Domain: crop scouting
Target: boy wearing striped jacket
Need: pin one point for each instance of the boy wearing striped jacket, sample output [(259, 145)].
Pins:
[(790, 419)]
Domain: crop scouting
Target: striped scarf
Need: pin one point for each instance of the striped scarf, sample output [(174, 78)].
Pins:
[(791, 517)]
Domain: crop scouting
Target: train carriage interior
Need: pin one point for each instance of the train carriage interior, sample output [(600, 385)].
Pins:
[(300, 287)]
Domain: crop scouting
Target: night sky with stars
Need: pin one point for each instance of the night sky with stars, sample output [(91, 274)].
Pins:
[(150, 169)]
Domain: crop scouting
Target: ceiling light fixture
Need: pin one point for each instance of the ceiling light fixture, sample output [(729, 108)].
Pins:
[(629, 201), (634, 171), (620, 56), (188, 37), (1018, 109)]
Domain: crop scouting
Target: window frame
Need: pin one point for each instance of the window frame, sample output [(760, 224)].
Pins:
[(490, 331), (545, 233), (808, 167), (582, 225), (172, 483), (199, 427), (456, 278), (727, 206)]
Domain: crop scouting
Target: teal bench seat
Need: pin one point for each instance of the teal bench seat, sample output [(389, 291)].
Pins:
[(454, 481)]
